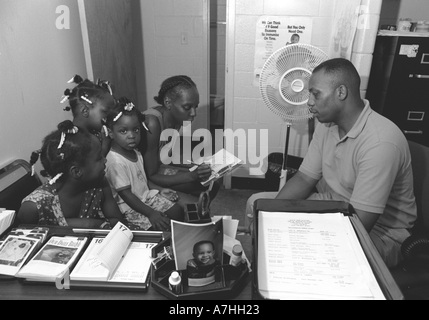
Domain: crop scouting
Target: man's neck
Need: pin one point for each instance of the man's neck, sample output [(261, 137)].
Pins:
[(349, 118)]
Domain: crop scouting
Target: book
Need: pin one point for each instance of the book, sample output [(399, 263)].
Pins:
[(154, 199), (40, 233), (54, 260), (302, 255), (222, 162), (14, 252), (114, 261)]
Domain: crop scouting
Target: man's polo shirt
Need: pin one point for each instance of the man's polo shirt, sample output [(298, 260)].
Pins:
[(370, 167)]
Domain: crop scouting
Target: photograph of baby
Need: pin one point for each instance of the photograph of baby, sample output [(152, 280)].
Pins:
[(198, 249)]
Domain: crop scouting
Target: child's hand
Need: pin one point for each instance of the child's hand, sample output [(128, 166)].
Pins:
[(160, 221), (169, 194)]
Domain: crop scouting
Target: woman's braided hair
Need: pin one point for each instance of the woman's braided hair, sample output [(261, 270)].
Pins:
[(171, 87)]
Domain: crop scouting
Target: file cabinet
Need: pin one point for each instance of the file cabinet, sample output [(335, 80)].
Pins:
[(398, 86)]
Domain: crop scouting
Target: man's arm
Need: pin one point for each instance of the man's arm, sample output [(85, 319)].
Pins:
[(299, 187), (368, 219)]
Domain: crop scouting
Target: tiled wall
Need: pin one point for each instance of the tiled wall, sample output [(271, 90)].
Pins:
[(244, 106)]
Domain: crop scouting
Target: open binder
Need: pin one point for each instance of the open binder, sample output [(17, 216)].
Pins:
[(375, 272)]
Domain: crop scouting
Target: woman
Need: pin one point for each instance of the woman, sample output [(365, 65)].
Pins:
[(178, 100)]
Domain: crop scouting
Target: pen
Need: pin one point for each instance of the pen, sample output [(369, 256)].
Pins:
[(196, 164)]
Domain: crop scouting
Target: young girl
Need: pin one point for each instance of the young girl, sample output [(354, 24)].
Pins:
[(77, 194), (125, 171), (90, 103), (178, 100)]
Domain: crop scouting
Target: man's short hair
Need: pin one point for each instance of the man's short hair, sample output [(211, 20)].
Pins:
[(342, 71)]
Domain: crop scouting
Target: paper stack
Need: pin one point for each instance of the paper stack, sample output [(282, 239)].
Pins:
[(6, 219)]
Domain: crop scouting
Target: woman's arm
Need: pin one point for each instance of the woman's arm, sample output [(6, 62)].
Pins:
[(152, 162)]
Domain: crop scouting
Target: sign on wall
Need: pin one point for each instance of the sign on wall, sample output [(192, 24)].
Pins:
[(274, 32)]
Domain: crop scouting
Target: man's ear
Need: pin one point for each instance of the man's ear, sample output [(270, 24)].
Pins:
[(342, 92), (75, 172)]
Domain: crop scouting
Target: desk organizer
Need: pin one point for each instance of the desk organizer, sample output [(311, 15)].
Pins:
[(229, 280)]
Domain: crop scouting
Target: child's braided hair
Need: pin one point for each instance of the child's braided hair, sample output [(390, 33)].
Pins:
[(123, 106), (62, 149), (85, 92)]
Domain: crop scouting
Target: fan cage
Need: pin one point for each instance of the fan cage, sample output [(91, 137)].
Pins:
[(284, 80)]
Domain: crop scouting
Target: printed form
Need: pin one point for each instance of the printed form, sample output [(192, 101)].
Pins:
[(312, 256)]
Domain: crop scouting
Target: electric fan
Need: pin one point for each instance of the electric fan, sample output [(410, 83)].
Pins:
[(284, 86)]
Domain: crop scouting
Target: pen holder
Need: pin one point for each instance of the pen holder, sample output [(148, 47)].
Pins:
[(199, 212), (228, 280)]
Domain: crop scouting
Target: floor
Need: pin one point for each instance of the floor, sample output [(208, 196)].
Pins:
[(231, 202)]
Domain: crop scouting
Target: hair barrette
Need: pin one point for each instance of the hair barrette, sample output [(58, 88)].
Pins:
[(86, 99), (64, 99), (54, 179), (74, 130), (129, 106), (106, 132), (146, 128), (105, 83), (117, 117)]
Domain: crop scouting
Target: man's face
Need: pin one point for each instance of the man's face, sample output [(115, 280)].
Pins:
[(322, 100)]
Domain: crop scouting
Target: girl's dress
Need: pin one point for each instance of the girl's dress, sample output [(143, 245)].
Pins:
[(48, 205)]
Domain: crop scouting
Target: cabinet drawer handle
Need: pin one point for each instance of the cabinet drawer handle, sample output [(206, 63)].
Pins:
[(419, 76), (413, 132)]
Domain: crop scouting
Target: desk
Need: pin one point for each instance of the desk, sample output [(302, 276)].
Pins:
[(13, 289)]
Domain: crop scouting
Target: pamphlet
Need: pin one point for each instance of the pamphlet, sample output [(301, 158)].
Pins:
[(222, 162), (54, 259)]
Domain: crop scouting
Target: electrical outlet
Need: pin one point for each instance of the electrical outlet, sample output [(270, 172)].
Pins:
[(184, 38)]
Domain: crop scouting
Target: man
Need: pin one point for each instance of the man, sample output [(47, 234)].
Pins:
[(358, 156)]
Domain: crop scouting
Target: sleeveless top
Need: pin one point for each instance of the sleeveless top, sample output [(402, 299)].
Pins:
[(163, 139)]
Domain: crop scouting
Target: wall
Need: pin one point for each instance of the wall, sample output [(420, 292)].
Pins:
[(217, 46), (392, 10), (36, 60), (244, 106), (112, 44), (174, 36)]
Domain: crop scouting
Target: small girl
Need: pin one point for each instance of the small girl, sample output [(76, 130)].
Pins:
[(90, 103), (149, 209), (77, 194)]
